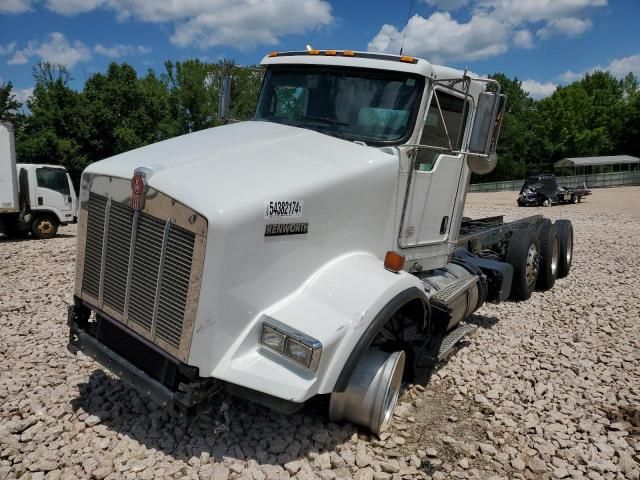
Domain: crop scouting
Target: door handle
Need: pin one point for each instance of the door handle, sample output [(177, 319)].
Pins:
[(444, 224), (40, 201)]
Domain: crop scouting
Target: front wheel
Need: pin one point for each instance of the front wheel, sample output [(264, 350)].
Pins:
[(372, 393), (44, 227)]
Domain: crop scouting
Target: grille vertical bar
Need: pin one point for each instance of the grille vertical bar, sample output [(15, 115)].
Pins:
[(139, 267), (93, 248), (103, 260)]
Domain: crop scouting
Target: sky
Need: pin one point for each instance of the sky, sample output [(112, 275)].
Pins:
[(544, 43)]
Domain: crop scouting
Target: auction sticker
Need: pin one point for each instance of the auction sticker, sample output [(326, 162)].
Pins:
[(284, 209)]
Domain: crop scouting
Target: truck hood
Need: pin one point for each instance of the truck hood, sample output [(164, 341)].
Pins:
[(347, 198), (212, 170)]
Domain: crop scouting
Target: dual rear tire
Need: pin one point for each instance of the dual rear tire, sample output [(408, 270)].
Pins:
[(539, 257)]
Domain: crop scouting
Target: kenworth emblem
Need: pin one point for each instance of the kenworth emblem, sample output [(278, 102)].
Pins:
[(139, 187)]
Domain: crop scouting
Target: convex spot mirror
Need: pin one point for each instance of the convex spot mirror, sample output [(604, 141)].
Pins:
[(482, 156)]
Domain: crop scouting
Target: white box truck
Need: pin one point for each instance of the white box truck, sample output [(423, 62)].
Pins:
[(33, 198), (319, 249)]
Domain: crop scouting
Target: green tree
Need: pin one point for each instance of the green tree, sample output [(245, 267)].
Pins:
[(9, 105), (122, 112), (50, 133), (516, 145), (194, 89)]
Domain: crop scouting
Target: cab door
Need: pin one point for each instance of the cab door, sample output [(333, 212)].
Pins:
[(437, 174), (52, 192)]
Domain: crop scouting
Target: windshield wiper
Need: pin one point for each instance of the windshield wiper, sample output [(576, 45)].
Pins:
[(326, 120)]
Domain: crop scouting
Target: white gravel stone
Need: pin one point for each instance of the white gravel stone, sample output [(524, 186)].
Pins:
[(544, 388)]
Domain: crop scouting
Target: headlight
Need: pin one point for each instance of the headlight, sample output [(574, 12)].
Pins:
[(293, 345), (272, 338)]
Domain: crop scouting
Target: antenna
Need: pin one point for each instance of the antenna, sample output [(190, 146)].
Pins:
[(407, 27)]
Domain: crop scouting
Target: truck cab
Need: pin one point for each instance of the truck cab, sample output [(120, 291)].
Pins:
[(35, 198), (50, 195), (314, 250)]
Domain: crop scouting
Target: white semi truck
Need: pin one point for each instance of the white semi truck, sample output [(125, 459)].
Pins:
[(319, 249), (33, 198)]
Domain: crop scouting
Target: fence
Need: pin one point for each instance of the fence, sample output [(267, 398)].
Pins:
[(595, 180)]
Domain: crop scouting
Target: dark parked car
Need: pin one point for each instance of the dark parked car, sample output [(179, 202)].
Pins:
[(543, 190)]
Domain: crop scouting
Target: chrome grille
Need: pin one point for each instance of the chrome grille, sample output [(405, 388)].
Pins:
[(143, 275)]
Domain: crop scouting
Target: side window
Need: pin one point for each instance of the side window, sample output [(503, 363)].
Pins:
[(53, 179), (434, 134)]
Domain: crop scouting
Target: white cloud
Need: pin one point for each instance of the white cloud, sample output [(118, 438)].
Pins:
[(493, 26), (570, 76), (72, 7), (569, 27), (56, 49), (120, 50), (19, 58), (619, 67), (206, 23), (22, 94), (523, 39), (537, 89), (15, 6), (523, 11), (440, 37), (448, 5), (8, 49)]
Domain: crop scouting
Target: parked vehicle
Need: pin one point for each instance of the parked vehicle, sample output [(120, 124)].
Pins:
[(33, 198), (317, 250), (543, 191)]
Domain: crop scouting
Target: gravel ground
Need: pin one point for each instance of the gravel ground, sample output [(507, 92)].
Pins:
[(549, 388)]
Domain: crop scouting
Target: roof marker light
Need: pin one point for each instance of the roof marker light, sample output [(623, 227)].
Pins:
[(273, 54), (407, 59), (330, 53), (314, 52), (349, 53)]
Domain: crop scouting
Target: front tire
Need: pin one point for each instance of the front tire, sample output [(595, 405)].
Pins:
[(44, 227), (523, 254)]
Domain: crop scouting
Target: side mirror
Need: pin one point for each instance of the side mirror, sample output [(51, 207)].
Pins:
[(482, 157), (225, 97)]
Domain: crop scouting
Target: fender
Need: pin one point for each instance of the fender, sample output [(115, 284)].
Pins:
[(342, 305), (52, 211)]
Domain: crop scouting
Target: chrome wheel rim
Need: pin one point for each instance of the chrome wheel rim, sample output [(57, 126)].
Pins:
[(532, 264), (554, 256), (391, 398)]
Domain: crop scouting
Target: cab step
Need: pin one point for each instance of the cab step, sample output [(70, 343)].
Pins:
[(452, 338)]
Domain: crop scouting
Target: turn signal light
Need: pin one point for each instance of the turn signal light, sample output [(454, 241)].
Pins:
[(393, 261)]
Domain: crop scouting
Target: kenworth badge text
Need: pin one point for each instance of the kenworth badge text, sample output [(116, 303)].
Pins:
[(318, 249)]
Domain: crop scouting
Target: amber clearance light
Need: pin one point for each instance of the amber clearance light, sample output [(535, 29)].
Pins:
[(393, 261)]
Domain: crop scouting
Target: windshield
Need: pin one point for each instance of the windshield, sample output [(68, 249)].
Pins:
[(372, 106), (54, 179)]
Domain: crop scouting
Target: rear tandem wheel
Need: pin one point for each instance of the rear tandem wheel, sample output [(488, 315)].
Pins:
[(523, 255)]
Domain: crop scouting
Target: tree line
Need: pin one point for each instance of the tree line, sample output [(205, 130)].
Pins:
[(119, 110)]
